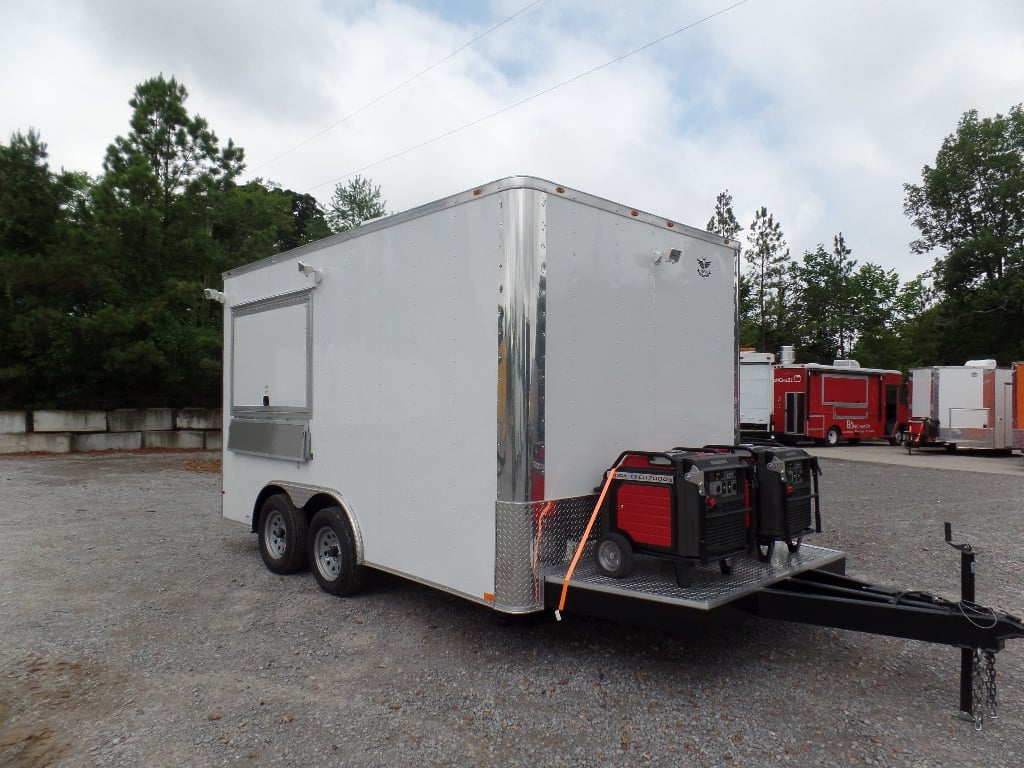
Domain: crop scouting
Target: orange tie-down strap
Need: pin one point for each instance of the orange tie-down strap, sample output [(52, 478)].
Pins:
[(583, 542)]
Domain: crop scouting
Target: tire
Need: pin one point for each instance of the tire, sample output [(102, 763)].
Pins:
[(282, 533), (951, 447), (614, 555), (832, 436), (853, 440), (332, 553)]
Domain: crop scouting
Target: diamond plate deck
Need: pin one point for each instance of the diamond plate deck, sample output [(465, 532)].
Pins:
[(654, 579)]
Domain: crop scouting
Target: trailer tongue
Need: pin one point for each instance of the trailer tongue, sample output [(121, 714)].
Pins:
[(808, 587)]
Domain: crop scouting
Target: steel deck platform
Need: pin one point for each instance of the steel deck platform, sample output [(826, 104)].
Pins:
[(654, 579)]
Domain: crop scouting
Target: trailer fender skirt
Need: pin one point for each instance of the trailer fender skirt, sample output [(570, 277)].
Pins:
[(833, 600)]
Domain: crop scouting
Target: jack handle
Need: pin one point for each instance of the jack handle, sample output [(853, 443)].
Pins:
[(968, 705), (965, 547)]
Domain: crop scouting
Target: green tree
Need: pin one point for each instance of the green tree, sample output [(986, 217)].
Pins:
[(918, 324), (309, 222), (104, 278), (47, 280), (158, 184), (873, 296), (723, 221), (970, 207), (771, 277), (155, 208), (354, 203), (825, 303)]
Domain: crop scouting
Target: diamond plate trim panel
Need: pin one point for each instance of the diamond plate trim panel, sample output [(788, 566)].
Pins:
[(532, 539)]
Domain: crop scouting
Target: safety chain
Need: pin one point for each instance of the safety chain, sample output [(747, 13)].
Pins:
[(984, 688)]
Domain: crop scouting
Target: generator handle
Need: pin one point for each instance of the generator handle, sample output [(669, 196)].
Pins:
[(722, 448), (649, 454)]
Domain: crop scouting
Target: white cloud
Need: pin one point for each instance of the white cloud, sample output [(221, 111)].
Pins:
[(820, 111)]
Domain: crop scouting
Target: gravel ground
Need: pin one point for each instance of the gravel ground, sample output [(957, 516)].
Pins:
[(139, 628)]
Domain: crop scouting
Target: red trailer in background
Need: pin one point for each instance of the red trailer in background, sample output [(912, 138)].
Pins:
[(829, 403)]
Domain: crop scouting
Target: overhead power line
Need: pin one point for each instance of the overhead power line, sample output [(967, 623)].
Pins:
[(398, 87), (528, 99)]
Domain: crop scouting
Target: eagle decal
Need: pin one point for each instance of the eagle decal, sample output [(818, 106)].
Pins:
[(703, 267)]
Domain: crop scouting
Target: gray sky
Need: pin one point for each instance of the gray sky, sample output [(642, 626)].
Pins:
[(818, 109)]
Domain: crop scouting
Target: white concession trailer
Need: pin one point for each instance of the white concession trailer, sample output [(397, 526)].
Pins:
[(971, 404), (438, 393), (441, 394)]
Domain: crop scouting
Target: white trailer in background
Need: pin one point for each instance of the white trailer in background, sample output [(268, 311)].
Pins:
[(757, 393), (420, 394), (969, 405)]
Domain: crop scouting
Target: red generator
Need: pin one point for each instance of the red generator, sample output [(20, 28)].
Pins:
[(690, 507)]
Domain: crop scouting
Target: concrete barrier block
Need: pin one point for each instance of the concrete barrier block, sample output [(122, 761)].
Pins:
[(199, 418), (182, 438), (13, 421), (33, 442), (69, 421), (107, 441), (140, 419), (213, 440)]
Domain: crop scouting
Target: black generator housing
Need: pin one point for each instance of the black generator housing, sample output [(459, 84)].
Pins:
[(787, 496), (688, 506)]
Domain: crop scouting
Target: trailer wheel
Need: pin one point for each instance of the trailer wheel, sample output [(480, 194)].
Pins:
[(832, 436), (282, 532), (614, 555), (332, 553)]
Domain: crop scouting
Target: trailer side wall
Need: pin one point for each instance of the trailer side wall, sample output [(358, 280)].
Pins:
[(403, 370)]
